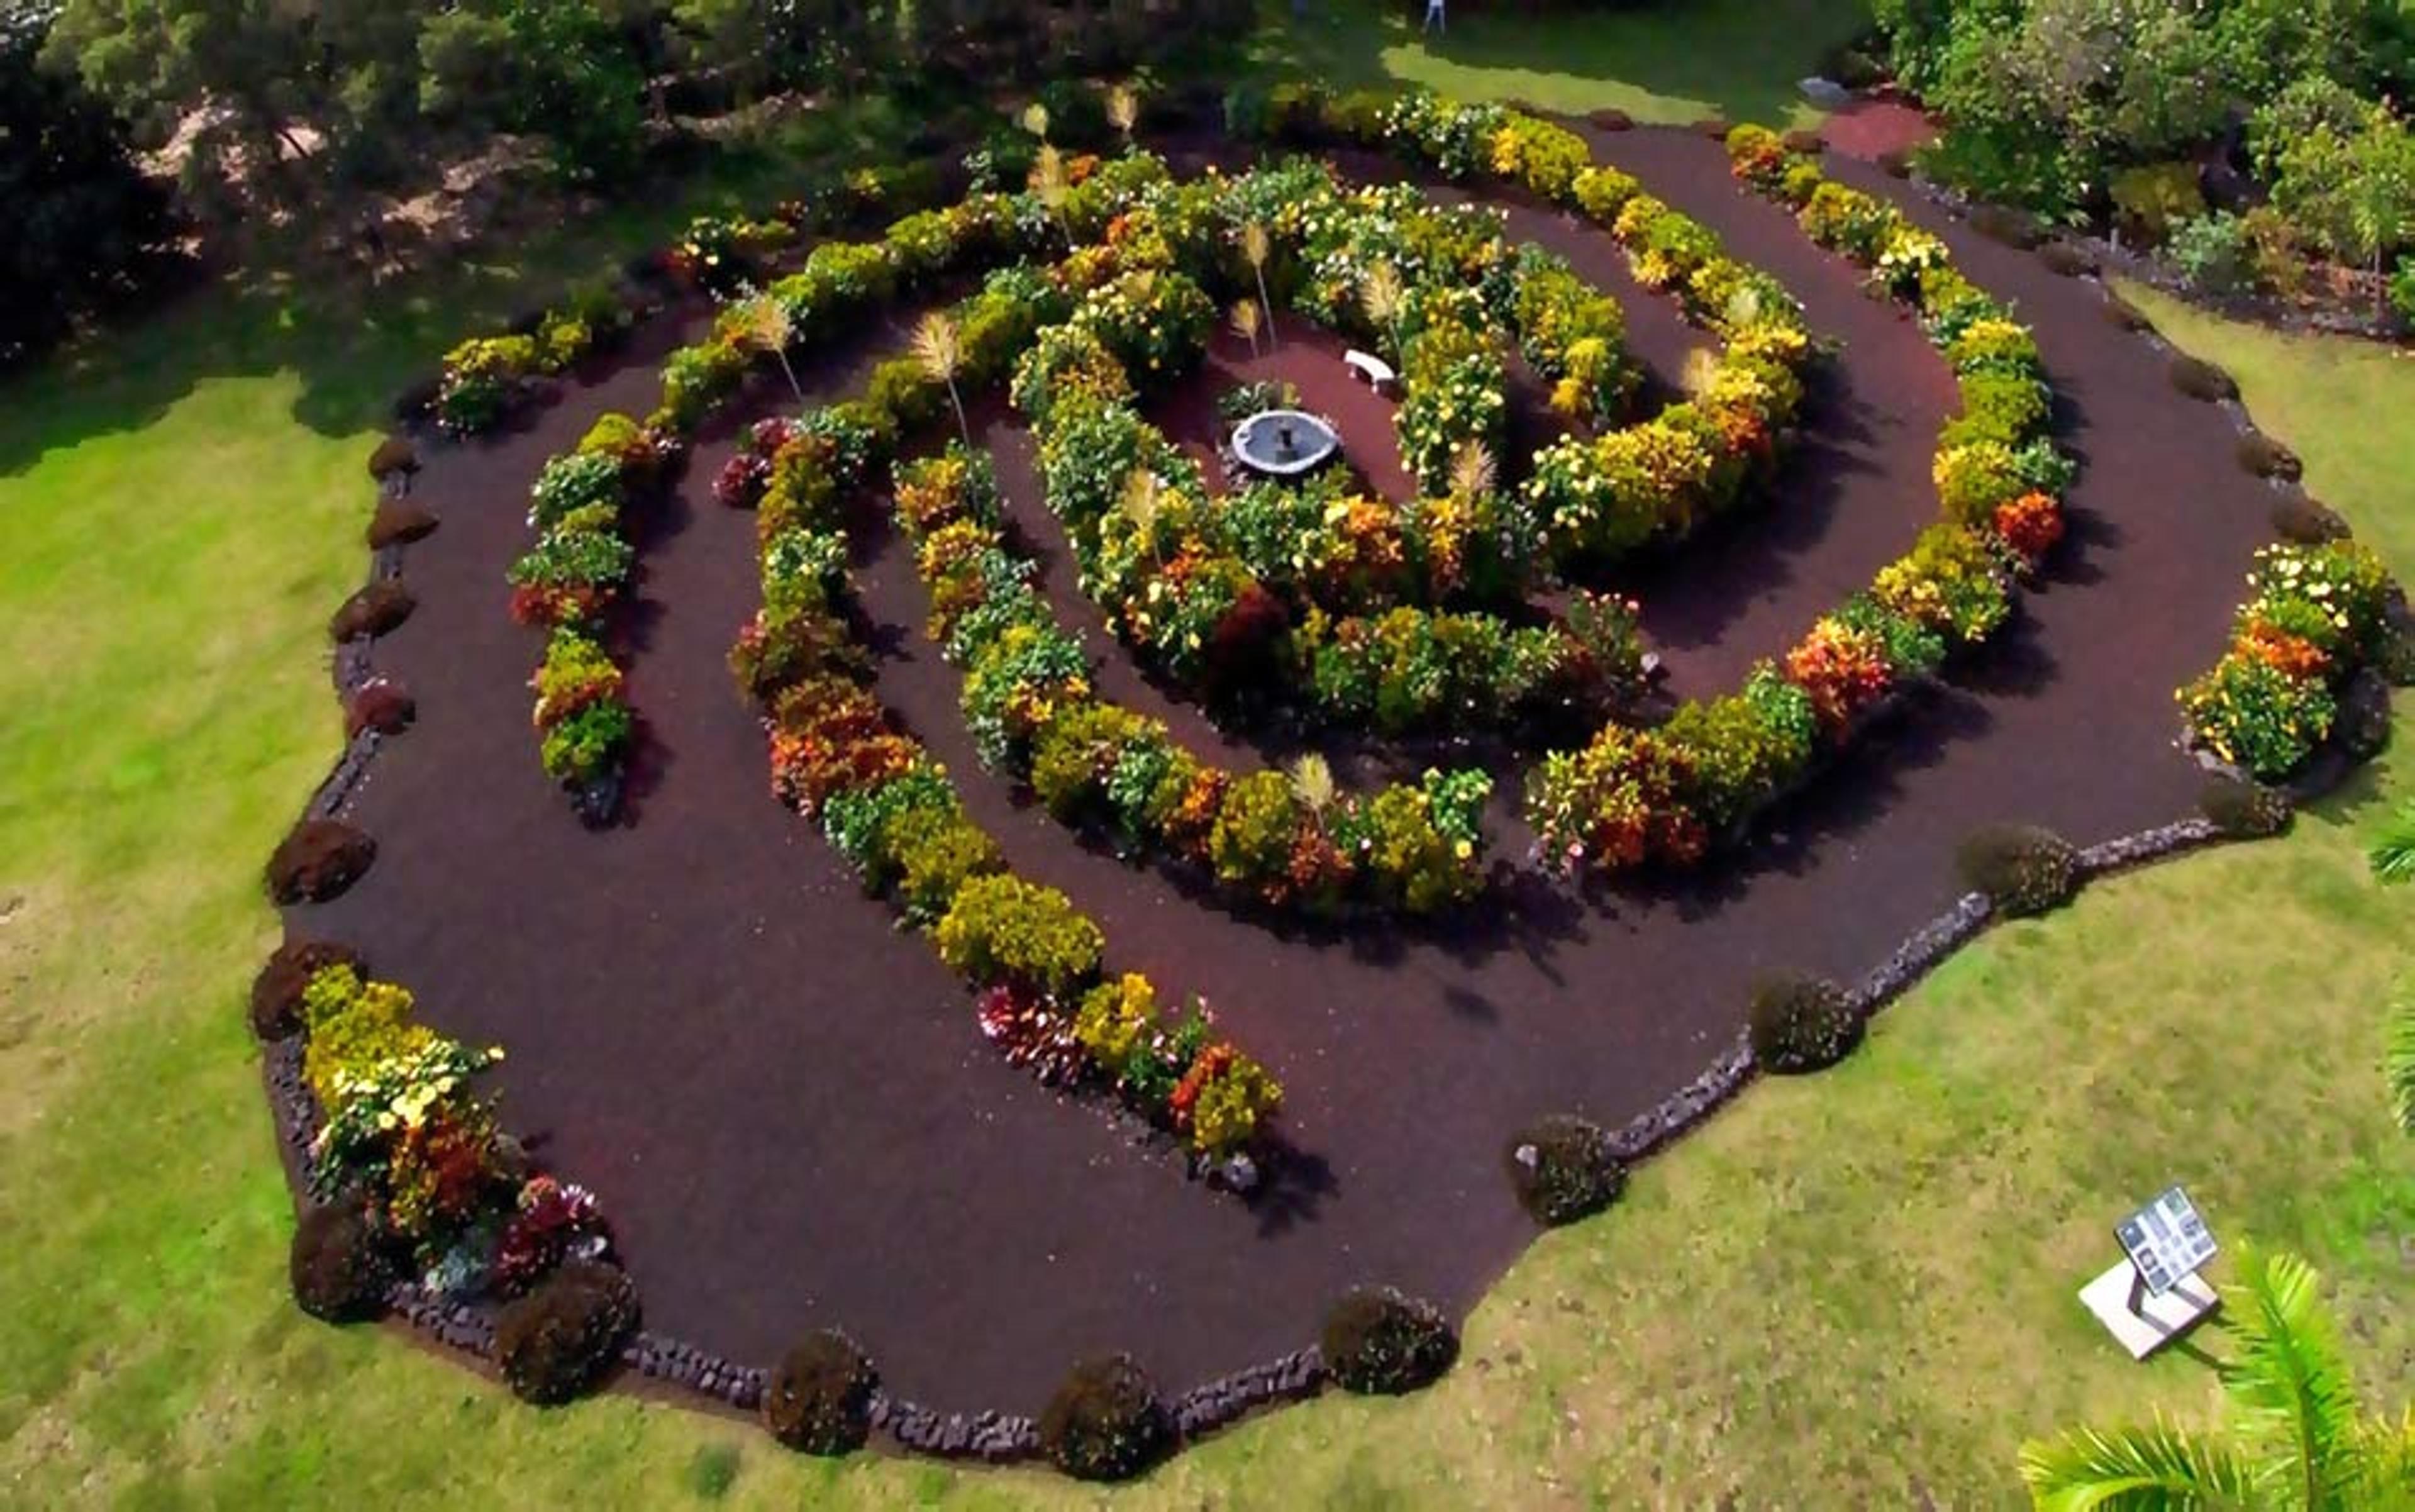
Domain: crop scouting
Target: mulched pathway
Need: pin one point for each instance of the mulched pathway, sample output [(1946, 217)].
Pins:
[(784, 1102)]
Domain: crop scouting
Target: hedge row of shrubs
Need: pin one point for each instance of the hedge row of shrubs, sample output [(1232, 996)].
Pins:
[(1285, 839), (1666, 794), (1035, 961), (485, 378), (568, 584)]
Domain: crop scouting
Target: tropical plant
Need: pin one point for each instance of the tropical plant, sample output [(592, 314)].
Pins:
[(1123, 109), (2394, 854), (940, 350), (2398, 1058), (2298, 1437), (1311, 782)]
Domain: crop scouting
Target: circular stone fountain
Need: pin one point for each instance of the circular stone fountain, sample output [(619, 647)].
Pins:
[(1284, 444)]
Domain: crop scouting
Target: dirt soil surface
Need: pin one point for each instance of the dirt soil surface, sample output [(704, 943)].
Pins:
[(783, 1100)]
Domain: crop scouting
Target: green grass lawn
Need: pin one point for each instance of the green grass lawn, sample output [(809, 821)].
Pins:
[(1845, 1291), (1670, 64)]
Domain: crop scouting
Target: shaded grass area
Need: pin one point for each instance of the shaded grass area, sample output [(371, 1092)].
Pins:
[(1671, 64), (1851, 1291)]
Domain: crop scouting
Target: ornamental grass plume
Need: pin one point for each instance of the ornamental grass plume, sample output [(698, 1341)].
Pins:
[(1257, 249), (939, 349)]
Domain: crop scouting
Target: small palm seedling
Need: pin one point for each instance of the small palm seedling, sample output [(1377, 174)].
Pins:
[(1257, 249), (1382, 297), (1246, 322)]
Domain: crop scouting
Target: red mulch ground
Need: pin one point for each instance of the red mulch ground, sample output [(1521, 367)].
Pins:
[(784, 1102)]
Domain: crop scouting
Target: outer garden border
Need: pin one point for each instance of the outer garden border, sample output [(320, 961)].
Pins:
[(1001, 1437)]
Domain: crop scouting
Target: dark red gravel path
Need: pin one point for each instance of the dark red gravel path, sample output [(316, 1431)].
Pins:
[(785, 1104)]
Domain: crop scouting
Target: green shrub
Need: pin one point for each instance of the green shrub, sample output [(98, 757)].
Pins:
[(2023, 870), (340, 1267), (2150, 199), (394, 455), (375, 609), (2245, 810), (276, 992), (1379, 1341), (932, 853), (1562, 1169), (2401, 292), (562, 1340), (2302, 520), (2067, 259), (1004, 930), (2264, 456), (399, 523), (2215, 252), (820, 1397), (317, 861), (1105, 1422), (1802, 1024), (2201, 379)]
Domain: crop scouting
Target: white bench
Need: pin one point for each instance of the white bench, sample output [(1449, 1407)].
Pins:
[(1375, 369)]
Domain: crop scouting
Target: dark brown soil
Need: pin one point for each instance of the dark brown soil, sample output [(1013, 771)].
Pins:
[(784, 1100)]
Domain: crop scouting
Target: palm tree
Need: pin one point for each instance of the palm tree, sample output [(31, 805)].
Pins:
[(767, 326), (1472, 472), (1381, 296), (941, 352), (2298, 1440), (2393, 855), (2398, 1057), (1035, 119), (1256, 247), (1311, 782), (1245, 322), (1123, 110)]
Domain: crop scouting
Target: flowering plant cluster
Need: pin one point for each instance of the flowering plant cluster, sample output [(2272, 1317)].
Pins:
[(1412, 669), (568, 583), (722, 254), (405, 1135), (2318, 614), (483, 377), (837, 757), (1661, 795), (1030, 704)]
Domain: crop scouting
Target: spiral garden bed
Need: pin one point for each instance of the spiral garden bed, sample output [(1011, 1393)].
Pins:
[(775, 1083)]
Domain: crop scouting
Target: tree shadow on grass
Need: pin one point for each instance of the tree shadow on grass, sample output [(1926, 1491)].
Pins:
[(356, 347)]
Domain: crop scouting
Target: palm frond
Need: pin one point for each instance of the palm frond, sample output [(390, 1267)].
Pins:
[(2160, 1468), (766, 323), (1124, 108), (2289, 1381), (1139, 501), (1035, 119), (2398, 1057), (1246, 320), (2393, 855)]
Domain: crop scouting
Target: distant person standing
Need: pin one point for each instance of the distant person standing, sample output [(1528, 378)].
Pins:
[(1435, 19)]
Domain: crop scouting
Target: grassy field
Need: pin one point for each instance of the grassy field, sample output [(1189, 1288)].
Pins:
[(1845, 1293), (1672, 64)]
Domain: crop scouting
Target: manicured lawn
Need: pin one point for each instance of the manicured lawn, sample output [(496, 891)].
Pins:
[(1669, 64), (1845, 1291)]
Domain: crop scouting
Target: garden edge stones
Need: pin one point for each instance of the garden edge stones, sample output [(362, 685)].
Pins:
[(710, 1381)]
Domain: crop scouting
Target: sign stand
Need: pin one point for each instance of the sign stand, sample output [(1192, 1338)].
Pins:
[(2153, 1294)]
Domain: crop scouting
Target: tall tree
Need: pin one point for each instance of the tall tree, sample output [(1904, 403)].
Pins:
[(82, 223)]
